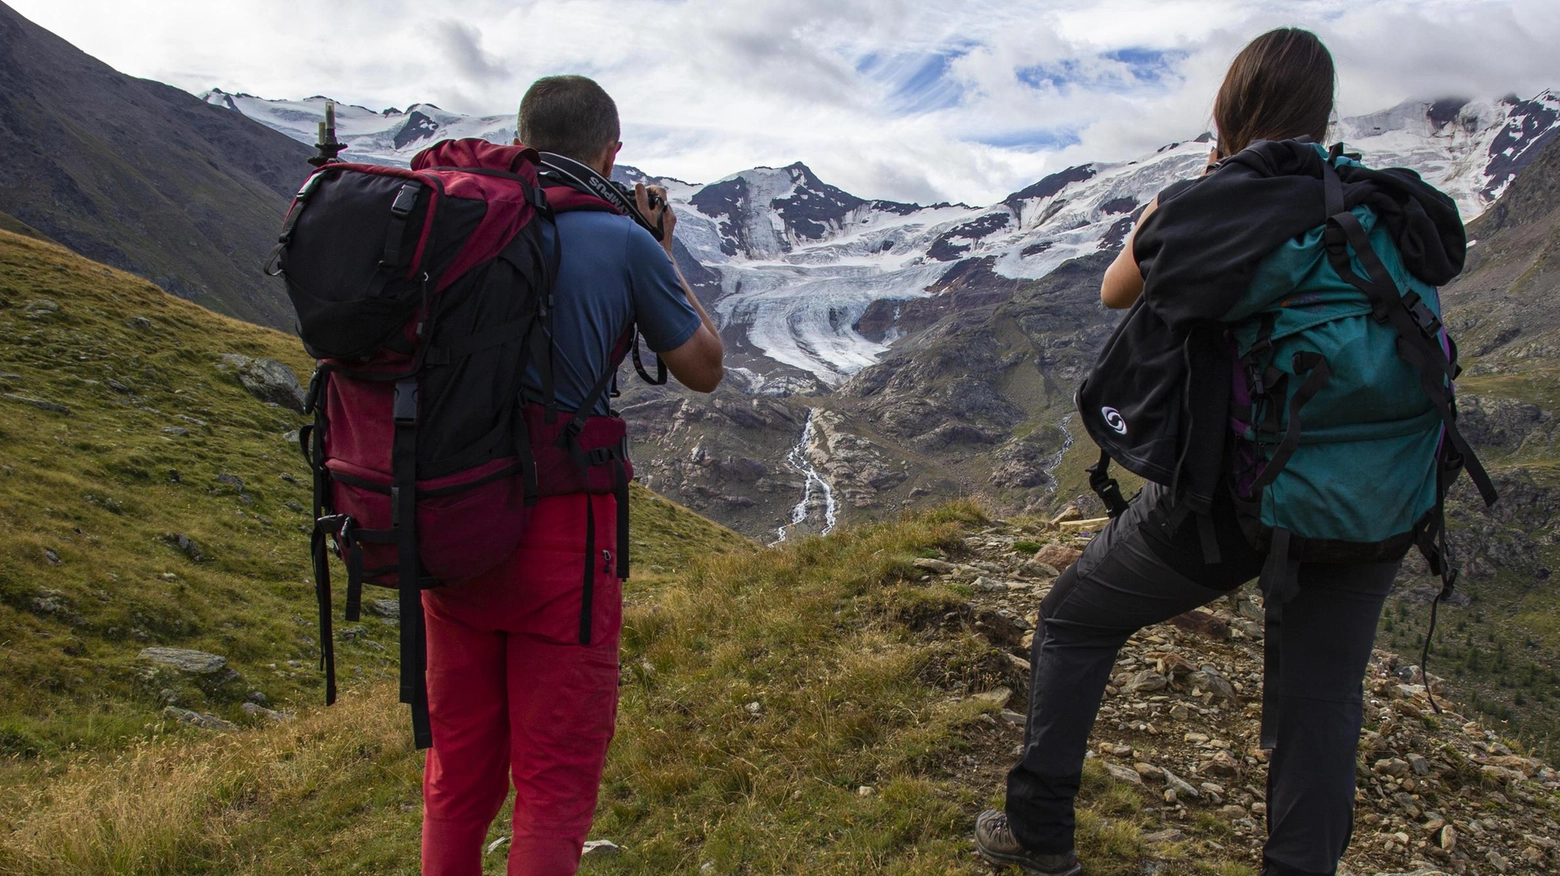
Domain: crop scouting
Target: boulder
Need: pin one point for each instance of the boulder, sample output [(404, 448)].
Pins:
[(255, 710), (41, 310), (193, 662), (1210, 679), (267, 380), (200, 719), (1057, 557), (1201, 623), (184, 545), (1123, 774), (1146, 681), (39, 403)]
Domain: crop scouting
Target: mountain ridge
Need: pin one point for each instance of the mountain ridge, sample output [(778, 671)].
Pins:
[(801, 262), (141, 175)]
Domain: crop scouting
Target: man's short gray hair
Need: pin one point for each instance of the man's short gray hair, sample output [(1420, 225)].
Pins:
[(569, 115)]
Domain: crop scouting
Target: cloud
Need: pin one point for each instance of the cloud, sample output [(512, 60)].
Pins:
[(944, 100), (462, 45)]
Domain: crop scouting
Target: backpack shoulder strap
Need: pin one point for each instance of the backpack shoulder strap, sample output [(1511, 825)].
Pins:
[(1419, 329)]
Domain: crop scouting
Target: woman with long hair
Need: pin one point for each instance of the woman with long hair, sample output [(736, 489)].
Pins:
[(1193, 259)]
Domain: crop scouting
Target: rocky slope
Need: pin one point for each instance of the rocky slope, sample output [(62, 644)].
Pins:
[(142, 176), (1439, 792)]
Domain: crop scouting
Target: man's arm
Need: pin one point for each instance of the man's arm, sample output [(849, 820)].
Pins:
[(696, 363)]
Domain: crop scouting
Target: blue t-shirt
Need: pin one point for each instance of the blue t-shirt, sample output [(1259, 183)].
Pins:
[(612, 273)]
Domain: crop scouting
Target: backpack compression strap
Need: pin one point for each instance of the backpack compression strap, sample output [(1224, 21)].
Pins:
[(1419, 330), (568, 440), (311, 441), (1106, 486), (403, 520)]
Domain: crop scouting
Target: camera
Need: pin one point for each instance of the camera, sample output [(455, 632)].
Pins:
[(654, 199)]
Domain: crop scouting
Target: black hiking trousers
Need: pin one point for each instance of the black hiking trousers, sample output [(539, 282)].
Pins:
[(1139, 572)]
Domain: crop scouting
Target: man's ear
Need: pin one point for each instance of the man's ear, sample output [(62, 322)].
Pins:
[(609, 158)]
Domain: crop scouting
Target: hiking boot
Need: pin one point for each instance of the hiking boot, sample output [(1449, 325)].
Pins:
[(996, 843)]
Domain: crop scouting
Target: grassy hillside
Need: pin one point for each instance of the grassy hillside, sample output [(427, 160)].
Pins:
[(123, 433), (796, 711), (824, 708)]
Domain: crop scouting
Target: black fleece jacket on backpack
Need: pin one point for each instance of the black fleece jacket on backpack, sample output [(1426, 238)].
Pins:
[(1198, 253)]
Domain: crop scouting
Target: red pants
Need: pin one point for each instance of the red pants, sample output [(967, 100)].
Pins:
[(512, 691)]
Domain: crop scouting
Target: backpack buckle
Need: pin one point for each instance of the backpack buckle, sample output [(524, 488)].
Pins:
[(1254, 382), (312, 396), (337, 526), (1428, 322), (405, 401), (405, 200)]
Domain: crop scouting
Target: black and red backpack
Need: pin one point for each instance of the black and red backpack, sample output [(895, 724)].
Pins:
[(425, 294)]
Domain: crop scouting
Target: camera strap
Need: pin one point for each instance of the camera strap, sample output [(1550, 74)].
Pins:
[(584, 178)]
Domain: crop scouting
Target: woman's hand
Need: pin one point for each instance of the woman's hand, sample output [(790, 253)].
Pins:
[(1123, 281)]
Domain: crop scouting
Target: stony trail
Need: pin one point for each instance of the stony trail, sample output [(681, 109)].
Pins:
[(1437, 794)]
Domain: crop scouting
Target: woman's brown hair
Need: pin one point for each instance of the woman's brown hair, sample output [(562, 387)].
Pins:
[(1279, 87)]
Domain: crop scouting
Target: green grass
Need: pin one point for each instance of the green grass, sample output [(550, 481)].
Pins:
[(834, 638), (838, 641), (91, 502), (1501, 654)]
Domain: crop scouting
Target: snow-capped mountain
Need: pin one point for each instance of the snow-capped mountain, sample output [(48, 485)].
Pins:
[(388, 136), (1469, 149), (800, 262)]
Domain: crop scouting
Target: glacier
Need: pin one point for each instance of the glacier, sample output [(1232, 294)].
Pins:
[(799, 261)]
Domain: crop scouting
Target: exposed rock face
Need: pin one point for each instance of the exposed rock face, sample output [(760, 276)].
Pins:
[(1513, 534), (1505, 424), (854, 465), (200, 719), (722, 455), (267, 380)]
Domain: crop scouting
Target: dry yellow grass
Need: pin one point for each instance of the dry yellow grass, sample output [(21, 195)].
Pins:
[(169, 805)]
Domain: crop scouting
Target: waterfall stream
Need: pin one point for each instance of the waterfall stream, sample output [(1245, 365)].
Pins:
[(816, 488), (1056, 460)]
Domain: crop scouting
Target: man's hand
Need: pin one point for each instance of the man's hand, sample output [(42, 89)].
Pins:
[(660, 216)]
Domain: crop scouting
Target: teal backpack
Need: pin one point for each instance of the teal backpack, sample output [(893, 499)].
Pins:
[(1344, 418), (1345, 438)]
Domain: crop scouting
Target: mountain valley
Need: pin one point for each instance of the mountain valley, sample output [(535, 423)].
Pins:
[(900, 380)]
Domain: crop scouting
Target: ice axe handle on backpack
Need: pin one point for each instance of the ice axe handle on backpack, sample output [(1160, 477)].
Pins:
[(328, 146)]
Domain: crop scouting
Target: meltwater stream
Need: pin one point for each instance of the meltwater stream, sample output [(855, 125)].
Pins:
[(815, 486), (1056, 460)]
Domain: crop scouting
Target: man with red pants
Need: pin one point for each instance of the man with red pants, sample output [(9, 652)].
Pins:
[(512, 689)]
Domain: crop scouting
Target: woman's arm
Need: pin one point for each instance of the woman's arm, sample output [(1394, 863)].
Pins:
[(1123, 281)]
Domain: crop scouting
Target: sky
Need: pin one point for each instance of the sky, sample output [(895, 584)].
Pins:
[(915, 101)]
